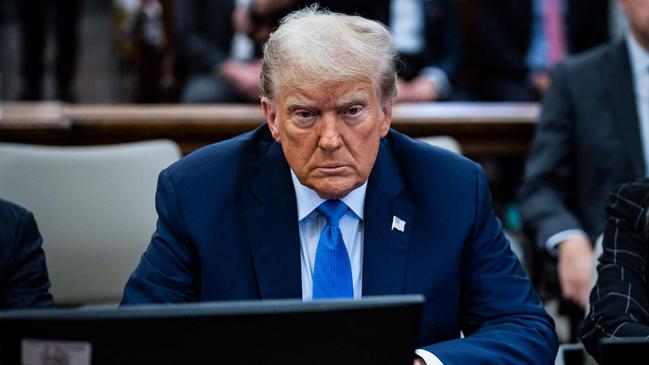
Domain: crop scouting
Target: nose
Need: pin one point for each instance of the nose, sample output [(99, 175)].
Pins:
[(330, 138)]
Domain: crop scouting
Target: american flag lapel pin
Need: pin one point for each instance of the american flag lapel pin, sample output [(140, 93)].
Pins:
[(398, 224)]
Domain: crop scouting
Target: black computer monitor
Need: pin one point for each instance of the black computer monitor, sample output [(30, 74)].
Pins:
[(378, 330), (624, 351)]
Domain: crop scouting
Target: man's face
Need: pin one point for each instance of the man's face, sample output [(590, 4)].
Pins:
[(637, 12), (330, 133)]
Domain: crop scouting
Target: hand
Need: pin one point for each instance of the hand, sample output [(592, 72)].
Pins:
[(540, 82), (417, 90), (244, 76), (419, 361), (575, 266)]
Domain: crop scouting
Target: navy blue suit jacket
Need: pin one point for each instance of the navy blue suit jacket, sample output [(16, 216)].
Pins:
[(24, 282), (228, 229)]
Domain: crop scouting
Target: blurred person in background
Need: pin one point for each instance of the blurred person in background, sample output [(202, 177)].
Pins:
[(273, 10), (34, 15), (426, 34), (521, 40), (593, 133), (205, 31), (220, 42)]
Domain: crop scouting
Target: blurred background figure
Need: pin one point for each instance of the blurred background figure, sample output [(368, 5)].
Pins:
[(206, 51), (34, 21), (593, 133), (216, 72), (145, 48), (151, 45), (521, 40), (273, 10), (427, 35), (220, 42)]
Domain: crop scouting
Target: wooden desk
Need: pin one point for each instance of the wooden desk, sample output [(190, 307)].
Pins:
[(37, 123), (190, 126), (482, 129)]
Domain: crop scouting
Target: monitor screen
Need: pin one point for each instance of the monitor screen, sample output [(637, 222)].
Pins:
[(374, 330), (624, 350)]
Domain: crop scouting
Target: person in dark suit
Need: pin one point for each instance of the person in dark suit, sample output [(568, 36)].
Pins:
[(325, 201), (24, 282), (274, 10), (588, 139), (427, 35), (206, 30), (34, 21), (619, 300), (204, 40), (505, 29)]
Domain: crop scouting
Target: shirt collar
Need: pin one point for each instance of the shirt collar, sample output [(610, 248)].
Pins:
[(308, 200), (638, 55)]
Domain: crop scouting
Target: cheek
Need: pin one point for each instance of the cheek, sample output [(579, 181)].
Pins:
[(298, 149), (365, 150)]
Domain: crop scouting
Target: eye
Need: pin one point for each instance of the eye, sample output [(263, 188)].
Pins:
[(304, 114), (303, 118), (353, 111)]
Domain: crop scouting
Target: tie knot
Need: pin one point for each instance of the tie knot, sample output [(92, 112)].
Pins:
[(333, 210)]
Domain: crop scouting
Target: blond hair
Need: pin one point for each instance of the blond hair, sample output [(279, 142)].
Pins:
[(313, 46)]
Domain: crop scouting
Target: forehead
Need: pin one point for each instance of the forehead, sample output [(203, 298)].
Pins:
[(330, 93)]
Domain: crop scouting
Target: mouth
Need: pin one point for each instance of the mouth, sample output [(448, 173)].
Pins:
[(331, 169)]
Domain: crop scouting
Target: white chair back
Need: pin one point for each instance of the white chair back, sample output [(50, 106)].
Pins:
[(94, 207), (446, 142)]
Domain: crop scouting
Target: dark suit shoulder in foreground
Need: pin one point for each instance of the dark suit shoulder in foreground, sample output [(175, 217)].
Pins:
[(24, 282), (619, 305)]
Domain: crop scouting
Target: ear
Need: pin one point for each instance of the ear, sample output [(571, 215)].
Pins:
[(271, 117), (386, 108)]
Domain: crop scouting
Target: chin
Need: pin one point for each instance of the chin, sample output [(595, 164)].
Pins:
[(334, 191)]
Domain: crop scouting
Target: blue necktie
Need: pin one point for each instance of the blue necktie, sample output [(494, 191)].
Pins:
[(332, 272)]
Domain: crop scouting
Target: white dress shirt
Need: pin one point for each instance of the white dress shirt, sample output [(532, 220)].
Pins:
[(351, 225), (639, 61), (311, 224), (640, 71)]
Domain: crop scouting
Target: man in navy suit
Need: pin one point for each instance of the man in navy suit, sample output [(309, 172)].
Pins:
[(24, 282), (250, 218)]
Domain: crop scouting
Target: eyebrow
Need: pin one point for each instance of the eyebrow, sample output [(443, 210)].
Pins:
[(295, 103), (353, 98), (356, 97)]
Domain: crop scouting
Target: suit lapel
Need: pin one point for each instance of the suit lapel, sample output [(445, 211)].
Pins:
[(272, 227), (385, 250), (617, 74)]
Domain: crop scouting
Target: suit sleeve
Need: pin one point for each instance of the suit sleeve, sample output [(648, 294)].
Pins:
[(443, 40), (201, 52), (26, 283), (619, 306), (165, 273), (503, 319), (548, 181), (499, 36)]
